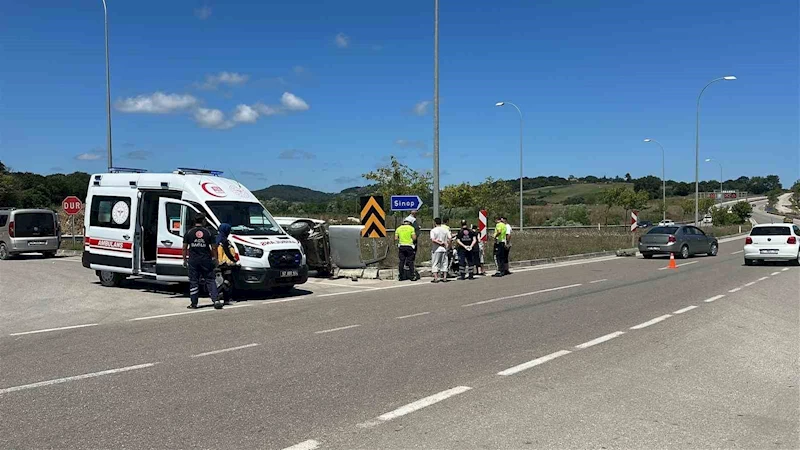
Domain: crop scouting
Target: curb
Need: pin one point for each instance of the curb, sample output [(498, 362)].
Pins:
[(69, 253)]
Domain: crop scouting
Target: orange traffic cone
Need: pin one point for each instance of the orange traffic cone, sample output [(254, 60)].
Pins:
[(672, 264)]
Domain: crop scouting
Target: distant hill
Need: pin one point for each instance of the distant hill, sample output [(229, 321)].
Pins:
[(291, 193)]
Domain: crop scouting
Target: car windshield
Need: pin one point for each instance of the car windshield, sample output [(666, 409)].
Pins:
[(663, 230), (246, 219), (770, 231)]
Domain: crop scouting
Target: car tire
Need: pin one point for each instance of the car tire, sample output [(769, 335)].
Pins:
[(795, 262), (4, 253), (647, 255), (749, 262), (714, 250), (685, 252), (110, 279)]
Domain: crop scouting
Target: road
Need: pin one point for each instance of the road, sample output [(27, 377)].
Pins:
[(604, 353), (760, 215)]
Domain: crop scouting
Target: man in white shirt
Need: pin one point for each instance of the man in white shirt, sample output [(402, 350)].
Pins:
[(440, 239), (508, 242)]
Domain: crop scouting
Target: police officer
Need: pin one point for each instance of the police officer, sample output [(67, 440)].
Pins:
[(500, 248), (200, 256), (406, 239), (465, 240)]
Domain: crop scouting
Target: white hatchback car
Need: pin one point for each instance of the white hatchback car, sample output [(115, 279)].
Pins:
[(773, 242)]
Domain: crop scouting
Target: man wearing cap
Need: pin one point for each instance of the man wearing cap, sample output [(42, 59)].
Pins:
[(200, 257), (406, 239)]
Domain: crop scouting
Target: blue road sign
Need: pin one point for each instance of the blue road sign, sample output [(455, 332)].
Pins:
[(406, 202)]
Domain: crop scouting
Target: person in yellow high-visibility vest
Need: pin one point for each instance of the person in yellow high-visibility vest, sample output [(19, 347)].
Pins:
[(406, 237), (500, 248)]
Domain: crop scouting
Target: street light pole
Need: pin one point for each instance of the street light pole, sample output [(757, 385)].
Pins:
[(663, 178), (521, 211), (435, 108), (720, 177), (697, 150), (108, 90)]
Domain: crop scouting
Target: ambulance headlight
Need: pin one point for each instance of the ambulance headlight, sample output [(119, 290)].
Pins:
[(250, 252)]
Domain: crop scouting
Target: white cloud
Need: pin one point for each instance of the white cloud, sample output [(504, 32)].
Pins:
[(421, 108), (226, 78), (295, 154), (266, 110), (203, 13), (212, 118), (94, 155), (405, 143), (156, 103), (342, 40), (245, 114), (293, 103)]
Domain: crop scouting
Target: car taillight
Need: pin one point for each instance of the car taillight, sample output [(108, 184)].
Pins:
[(748, 240), (671, 239), (792, 240), (11, 229)]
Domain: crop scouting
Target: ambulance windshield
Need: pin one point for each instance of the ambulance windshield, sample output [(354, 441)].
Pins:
[(245, 219)]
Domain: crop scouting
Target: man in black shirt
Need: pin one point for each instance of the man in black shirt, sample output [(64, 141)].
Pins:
[(200, 256), (466, 240)]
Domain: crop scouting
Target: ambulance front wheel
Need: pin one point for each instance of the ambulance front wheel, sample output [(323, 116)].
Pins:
[(110, 279)]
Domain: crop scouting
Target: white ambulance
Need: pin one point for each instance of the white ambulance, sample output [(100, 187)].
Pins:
[(135, 222)]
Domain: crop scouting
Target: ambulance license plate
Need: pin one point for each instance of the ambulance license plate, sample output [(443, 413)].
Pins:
[(289, 273)]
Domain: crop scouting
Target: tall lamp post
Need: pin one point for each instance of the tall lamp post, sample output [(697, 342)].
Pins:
[(720, 177), (436, 108), (663, 179), (697, 150), (521, 212), (108, 89)]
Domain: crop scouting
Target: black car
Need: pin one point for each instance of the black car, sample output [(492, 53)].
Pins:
[(644, 224), (682, 240)]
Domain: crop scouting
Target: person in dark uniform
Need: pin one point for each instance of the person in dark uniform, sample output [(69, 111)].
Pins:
[(200, 257), (466, 240)]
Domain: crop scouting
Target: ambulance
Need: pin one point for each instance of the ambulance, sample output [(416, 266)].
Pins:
[(135, 222)]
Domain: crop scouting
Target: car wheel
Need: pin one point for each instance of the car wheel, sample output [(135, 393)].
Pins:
[(796, 262), (4, 253), (749, 262), (647, 255), (110, 279), (685, 252), (714, 250)]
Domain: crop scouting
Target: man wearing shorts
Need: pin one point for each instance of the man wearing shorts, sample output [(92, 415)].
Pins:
[(440, 238)]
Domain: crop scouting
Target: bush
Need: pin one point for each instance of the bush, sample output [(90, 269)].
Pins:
[(561, 222), (721, 216), (575, 200), (741, 211)]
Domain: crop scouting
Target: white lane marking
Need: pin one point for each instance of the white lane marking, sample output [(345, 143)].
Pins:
[(204, 309), (763, 278), (415, 406), (750, 283), (74, 378), (569, 263), (224, 350), (305, 445), (598, 281), (651, 322), (53, 329), (775, 273), (600, 340), (340, 285), (336, 329), (735, 290), (736, 253), (714, 298), (374, 289), (681, 265), (683, 310), (523, 295), (413, 315), (533, 363), (784, 269)]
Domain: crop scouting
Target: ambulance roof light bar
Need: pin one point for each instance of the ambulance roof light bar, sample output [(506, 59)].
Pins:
[(190, 171)]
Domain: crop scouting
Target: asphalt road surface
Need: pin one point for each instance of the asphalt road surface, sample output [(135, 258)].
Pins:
[(606, 353)]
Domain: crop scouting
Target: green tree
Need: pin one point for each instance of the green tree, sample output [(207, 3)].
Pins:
[(772, 197), (741, 211), (610, 198), (396, 178), (720, 216)]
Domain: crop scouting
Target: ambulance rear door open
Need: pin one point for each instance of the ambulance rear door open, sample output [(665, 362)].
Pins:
[(175, 217)]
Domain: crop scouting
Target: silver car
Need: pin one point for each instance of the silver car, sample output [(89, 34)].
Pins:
[(29, 231), (682, 240)]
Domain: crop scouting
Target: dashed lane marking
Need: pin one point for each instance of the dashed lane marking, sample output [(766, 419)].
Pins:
[(735, 290), (714, 298), (598, 281), (336, 329), (305, 445), (750, 283), (683, 310), (483, 302), (415, 406), (736, 253), (600, 340), (775, 273), (413, 315), (75, 378), (214, 352), (533, 363), (46, 330), (651, 322), (763, 278), (204, 309)]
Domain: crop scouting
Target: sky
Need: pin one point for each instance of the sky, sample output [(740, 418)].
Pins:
[(316, 93)]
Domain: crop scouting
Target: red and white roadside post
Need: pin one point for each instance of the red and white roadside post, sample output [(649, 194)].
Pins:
[(634, 226)]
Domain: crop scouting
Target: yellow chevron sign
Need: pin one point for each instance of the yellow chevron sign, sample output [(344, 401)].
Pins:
[(373, 217)]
